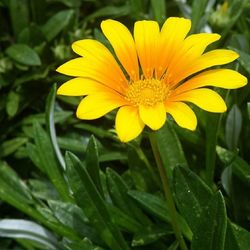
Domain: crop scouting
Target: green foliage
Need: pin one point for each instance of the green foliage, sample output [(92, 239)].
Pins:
[(104, 194)]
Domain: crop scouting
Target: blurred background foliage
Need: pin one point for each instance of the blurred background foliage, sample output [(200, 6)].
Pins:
[(111, 197)]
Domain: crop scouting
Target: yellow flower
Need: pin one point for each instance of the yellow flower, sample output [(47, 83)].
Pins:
[(156, 72)]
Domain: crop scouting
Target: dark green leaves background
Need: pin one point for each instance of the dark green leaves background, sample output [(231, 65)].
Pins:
[(70, 184)]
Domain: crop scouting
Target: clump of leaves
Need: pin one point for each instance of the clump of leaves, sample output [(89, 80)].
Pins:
[(70, 190)]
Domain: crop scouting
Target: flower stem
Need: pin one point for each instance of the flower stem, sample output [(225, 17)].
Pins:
[(167, 191)]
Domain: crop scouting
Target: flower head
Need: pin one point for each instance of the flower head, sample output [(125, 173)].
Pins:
[(157, 71)]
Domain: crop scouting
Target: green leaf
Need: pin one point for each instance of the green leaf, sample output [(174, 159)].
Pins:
[(174, 246), (248, 110), (83, 245), (112, 156), (192, 195), (24, 229), (125, 222), (10, 146), (13, 185), (158, 207), (23, 54), (170, 148), (237, 238), (198, 16), (159, 10), (244, 59), (152, 204), (73, 217), (137, 9), (119, 194), (19, 8), (239, 166), (43, 189), (57, 23), (233, 127), (12, 103), (149, 235), (59, 117), (90, 200), (210, 233), (73, 144), (50, 103), (92, 163), (97, 131), (110, 11), (49, 162)]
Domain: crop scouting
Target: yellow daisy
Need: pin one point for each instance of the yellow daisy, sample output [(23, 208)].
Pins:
[(155, 72)]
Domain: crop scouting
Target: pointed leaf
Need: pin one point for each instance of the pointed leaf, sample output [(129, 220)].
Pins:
[(237, 238), (92, 163), (90, 200), (57, 23), (119, 194), (23, 54), (192, 195), (49, 161), (233, 127), (211, 232), (24, 229), (158, 207)]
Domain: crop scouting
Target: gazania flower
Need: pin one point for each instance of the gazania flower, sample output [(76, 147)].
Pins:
[(155, 73)]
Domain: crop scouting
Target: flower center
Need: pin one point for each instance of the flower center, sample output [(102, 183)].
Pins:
[(147, 92)]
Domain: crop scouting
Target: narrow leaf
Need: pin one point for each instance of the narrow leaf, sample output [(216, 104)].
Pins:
[(89, 199), (92, 163), (211, 232), (192, 195), (49, 161), (233, 127), (50, 103), (237, 238), (57, 23), (24, 229), (119, 194), (23, 54)]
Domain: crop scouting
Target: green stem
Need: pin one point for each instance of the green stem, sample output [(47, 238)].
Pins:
[(167, 191)]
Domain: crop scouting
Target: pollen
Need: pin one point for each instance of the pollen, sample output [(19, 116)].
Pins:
[(147, 92)]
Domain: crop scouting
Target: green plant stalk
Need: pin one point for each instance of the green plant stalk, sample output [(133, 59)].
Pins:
[(167, 191)]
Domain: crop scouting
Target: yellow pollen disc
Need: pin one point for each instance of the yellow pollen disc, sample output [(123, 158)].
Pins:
[(146, 92)]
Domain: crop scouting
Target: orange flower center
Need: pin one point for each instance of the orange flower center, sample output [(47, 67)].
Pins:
[(147, 92)]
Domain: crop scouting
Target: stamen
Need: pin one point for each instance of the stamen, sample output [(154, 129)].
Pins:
[(147, 92)]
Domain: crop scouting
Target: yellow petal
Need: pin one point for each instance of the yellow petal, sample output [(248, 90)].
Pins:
[(206, 99), (95, 50), (172, 35), (81, 86), (192, 48), (209, 59), (146, 35), (182, 114), (123, 44), (197, 43), (96, 105), (96, 70), (128, 124), (224, 78), (153, 116)]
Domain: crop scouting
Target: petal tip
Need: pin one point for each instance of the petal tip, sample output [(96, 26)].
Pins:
[(59, 91)]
